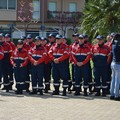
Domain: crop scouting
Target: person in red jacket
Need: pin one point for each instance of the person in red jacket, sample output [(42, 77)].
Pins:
[(81, 55), (86, 38), (6, 61), (10, 68), (1, 58), (101, 59), (109, 39), (48, 66), (26, 44), (76, 41), (27, 47), (19, 60), (8, 39), (68, 70), (59, 54), (30, 40), (37, 56)]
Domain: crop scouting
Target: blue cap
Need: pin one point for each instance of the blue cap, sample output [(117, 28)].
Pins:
[(117, 37), (81, 36), (8, 35), (29, 36), (23, 37), (51, 35), (85, 35), (1, 35), (64, 37), (20, 42), (58, 36), (75, 34), (43, 38), (100, 37), (113, 34), (37, 38)]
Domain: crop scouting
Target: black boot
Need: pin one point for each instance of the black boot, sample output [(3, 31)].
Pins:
[(85, 92), (40, 92), (70, 85), (64, 92), (98, 92), (7, 90), (47, 88), (27, 90), (3, 88), (17, 92), (73, 88), (34, 91), (90, 88), (10, 87), (77, 91), (104, 92), (108, 89), (56, 92), (20, 92)]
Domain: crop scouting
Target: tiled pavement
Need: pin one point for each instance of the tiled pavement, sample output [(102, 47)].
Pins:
[(48, 107)]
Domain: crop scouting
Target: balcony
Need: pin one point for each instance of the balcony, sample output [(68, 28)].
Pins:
[(58, 16)]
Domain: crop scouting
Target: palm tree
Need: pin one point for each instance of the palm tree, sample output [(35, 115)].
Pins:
[(101, 17)]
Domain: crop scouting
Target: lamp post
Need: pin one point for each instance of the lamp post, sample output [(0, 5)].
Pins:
[(43, 26), (62, 16)]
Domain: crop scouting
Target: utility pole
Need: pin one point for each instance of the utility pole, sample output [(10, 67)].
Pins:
[(62, 16), (43, 26)]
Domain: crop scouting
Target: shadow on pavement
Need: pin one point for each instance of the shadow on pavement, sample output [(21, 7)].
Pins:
[(50, 96)]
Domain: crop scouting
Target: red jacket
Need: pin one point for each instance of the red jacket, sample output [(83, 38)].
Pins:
[(26, 46), (12, 45), (101, 52), (19, 57), (72, 46), (32, 44), (1, 52), (109, 44), (61, 52), (7, 48), (37, 54), (48, 46), (81, 54)]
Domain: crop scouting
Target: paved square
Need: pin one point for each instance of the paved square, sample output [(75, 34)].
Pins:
[(48, 107)]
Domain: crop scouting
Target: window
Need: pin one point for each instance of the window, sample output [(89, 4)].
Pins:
[(3, 4), (72, 7), (8, 4), (11, 4), (36, 9), (52, 6)]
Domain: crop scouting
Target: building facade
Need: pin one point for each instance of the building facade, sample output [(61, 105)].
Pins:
[(40, 17)]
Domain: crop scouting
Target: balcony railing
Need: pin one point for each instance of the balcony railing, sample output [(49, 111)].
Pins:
[(54, 16)]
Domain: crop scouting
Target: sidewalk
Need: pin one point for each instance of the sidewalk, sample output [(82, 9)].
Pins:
[(48, 107)]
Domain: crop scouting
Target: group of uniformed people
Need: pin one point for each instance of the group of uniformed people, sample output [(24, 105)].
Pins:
[(37, 59)]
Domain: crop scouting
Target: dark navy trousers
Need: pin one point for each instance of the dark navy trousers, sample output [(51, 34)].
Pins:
[(47, 73), (60, 71), (100, 74), (81, 73), (37, 73), (20, 77)]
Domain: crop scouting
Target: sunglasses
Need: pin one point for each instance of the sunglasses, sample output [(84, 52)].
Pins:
[(99, 39), (20, 44), (81, 38)]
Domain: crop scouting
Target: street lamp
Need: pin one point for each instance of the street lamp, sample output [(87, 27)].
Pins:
[(43, 26)]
